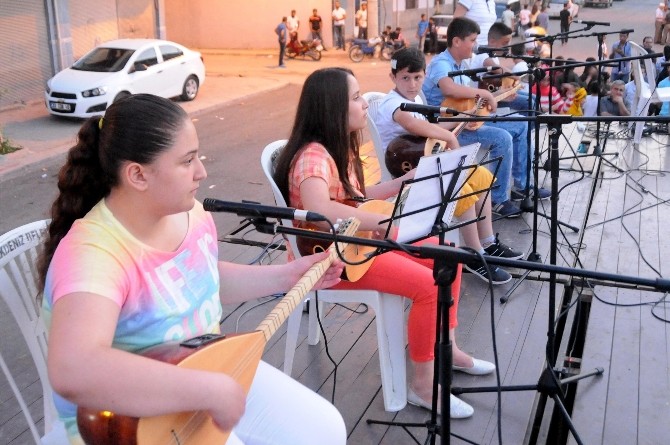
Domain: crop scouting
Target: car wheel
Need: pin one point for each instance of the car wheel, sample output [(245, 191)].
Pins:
[(121, 95), (190, 89)]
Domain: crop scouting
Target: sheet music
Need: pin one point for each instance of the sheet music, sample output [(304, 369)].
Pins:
[(426, 193)]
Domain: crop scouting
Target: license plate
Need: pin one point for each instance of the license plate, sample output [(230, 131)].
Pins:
[(60, 106)]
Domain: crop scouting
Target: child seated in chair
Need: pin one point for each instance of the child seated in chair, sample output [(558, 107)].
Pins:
[(407, 73)]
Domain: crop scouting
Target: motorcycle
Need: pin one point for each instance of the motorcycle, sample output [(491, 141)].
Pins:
[(311, 48), (362, 47)]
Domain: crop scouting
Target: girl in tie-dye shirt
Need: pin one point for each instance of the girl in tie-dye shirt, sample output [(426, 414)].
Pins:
[(131, 261)]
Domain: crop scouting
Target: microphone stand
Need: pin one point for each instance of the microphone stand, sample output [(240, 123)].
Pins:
[(526, 204), (442, 254), (549, 384)]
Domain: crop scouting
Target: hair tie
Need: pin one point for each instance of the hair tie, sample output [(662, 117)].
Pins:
[(100, 123)]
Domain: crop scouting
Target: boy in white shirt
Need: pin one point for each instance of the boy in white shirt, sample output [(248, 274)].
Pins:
[(408, 67)]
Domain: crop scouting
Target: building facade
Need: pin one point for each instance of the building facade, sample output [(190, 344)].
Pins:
[(38, 38)]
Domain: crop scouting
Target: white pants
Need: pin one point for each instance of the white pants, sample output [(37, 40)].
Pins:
[(282, 411)]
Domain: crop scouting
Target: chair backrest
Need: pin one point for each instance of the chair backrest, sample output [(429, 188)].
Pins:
[(268, 159), (374, 99), (644, 84), (649, 65), (19, 250)]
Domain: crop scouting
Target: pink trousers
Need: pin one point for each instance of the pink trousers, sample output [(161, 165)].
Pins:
[(401, 274)]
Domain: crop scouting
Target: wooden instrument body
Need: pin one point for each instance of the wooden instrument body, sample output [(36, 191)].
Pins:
[(352, 253), (236, 355), (107, 428), (497, 83), (404, 152)]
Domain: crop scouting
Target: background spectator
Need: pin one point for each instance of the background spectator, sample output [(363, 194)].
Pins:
[(613, 104), (659, 23), (543, 18), (620, 50), (282, 33), (315, 25), (508, 17), (293, 23), (339, 14), (362, 21), (422, 32), (566, 18)]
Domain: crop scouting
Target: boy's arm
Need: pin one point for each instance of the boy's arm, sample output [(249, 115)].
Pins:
[(420, 127)]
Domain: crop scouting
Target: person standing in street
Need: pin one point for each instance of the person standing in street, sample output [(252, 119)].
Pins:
[(566, 19), (362, 21), (339, 15), (293, 23), (543, 18), (619, 50), (315, 25), (508, 16), (524, 20), (432, 32), (422, 32), (659, 23), (282, 33)]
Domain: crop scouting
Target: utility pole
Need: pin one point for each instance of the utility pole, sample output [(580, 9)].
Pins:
[(373, 18)]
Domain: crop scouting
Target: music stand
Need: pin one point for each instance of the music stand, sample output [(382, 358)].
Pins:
[(427, 211)]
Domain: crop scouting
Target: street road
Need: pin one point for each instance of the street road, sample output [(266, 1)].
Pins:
[(232, 136), (231, 140)]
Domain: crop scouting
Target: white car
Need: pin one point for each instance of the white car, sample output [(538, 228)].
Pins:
[(119, 68)]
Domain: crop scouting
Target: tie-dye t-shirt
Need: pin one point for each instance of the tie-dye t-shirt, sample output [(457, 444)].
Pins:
[(164, 296)]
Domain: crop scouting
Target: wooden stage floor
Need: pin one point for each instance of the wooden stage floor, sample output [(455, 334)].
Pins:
[(622, 330)]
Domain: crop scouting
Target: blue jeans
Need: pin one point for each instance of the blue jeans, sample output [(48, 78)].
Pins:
[(519, 132), (282, 50), (500, 144), (520, 103), (339, 36)]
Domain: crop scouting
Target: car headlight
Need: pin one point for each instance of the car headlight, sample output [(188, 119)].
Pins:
[(47, 88), (99, 91)]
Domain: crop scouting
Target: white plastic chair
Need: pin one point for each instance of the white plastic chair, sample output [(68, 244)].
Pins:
[(374, 99), (389, 311), (18, 289), (646, 92)]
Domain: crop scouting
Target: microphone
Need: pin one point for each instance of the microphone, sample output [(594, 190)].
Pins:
[(591, 23), (250, 209), (535, 36), (427, 110), (485, 69), (489, 49)]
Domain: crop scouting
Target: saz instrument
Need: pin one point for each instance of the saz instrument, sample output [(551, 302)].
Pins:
[(403, 152), (466, 104), (494, 83), (360, 255), (236, 355)]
